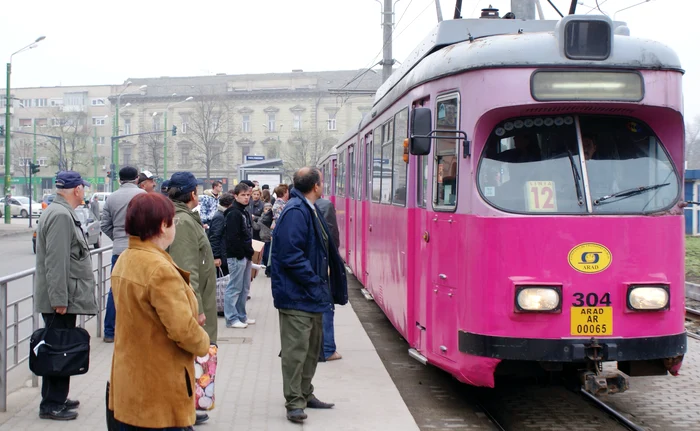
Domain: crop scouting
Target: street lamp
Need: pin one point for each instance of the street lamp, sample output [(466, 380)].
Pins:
[(165, 132), (115, 142), (8, 178)]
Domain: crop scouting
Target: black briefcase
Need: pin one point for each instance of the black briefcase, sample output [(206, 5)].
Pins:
[(59, 352)]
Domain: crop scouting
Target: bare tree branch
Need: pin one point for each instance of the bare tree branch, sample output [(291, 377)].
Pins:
[(151, 153), (306, 148), (210, 130), (73, 128)]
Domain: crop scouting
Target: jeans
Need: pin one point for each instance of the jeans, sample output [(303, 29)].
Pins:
[(266, 257), (237, 289), (110, 311), (54, 390), (328, 346)]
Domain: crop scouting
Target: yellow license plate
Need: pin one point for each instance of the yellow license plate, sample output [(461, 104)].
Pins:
[(595, 321)]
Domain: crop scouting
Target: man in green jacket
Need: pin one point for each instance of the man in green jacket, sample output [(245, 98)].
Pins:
[(191, 250), (64, 285)]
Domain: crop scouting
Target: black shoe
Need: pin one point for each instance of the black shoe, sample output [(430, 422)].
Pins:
[(296, 415), (201, 418), (315, 403), (58, 414), (108, 339), (71, 404)]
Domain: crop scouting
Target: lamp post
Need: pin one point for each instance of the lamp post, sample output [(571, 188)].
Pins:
[(8, 176), (165, 132), (115, 149)]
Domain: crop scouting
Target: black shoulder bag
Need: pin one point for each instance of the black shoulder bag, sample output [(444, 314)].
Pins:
[(59, 352)]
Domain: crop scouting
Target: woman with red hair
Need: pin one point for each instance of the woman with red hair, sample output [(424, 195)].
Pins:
[(152, 379)]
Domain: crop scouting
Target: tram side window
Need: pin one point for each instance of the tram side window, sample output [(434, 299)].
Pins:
[(353, 175), (326, 180), (368, 167), (386, 162), (446, 154), (340, 178), (377, 164), (422, 182), (400, 167)]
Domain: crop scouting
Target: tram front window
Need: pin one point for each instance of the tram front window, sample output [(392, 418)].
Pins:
[(536, 165)]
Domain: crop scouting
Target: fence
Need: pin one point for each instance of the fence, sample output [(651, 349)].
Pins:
[(13, 327)]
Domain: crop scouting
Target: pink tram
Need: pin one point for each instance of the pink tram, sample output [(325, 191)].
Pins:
[(512, 201)]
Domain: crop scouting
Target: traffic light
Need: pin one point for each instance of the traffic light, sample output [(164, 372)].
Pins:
[(34, 168), (2, 130), (174, 130)]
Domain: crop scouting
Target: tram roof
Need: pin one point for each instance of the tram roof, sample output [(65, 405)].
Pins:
[(490, 43)]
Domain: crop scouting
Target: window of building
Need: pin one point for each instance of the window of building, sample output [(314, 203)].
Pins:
[(98, 102), (25, 122), (446, 154), (101, 140), (98, 121), (244, 152), (297, 121), (42, 161), (185, 123), (127, 126), (245, 126), (56, 102), (56, 122), (74, 99), (127, 156), (272, 151), (25, 103), (24, 161), (270, 122), (400, 167), (156, 123), (331, 121), (41, 122), (185, 156), (40, 103)]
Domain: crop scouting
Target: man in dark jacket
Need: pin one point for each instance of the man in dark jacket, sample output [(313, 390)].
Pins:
[(328, 349), (308, 276), (239, 251), (216, 232)]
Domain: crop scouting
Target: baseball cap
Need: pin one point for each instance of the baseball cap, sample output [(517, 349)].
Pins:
[(145, 175), (69, 180), (184, 181), (128, 173)]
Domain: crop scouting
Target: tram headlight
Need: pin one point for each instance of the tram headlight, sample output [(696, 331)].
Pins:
[(648, 297), (538, 298)]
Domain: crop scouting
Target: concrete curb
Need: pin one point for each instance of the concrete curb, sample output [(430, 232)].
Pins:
[(6, 233)]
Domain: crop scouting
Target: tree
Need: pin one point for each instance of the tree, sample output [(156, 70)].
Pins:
[(306, 149), (72, 128), (151, 153), (22, 150), (210, 130), (692, 143)]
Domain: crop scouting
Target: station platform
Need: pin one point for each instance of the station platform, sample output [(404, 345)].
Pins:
[(249, 382)]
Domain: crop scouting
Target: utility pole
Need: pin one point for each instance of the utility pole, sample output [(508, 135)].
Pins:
[(388, 24), (33, 196), (523, 9), (458, 9), (94, 156), (439, 11)]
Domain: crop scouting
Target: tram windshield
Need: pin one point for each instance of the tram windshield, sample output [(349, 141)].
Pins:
[(538, 165)]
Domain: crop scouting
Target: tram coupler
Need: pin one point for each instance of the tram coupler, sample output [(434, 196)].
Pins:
[(605, 382)]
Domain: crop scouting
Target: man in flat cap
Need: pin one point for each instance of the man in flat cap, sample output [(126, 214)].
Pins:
[(64, 285), (112, 224), (147, 181)]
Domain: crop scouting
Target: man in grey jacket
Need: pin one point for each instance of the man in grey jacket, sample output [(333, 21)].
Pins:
[(112, 224), (64, 285)]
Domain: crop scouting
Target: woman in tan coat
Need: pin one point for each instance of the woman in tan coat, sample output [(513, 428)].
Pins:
[(152, 380)]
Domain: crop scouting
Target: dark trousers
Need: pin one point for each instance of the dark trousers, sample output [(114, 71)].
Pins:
[(125, 427), (110, 311), (328, 335), (266, 257), (54, 390), (301, 335)]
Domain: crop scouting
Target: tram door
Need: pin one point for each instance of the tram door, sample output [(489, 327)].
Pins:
[(351, 207), (363, 270)]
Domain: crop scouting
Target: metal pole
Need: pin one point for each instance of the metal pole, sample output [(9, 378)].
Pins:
[(31, 168), (94, 157), (387, 61), (165, 144), (8, 178), (36, 323), (439, 11), (115, 154), (34, 158), (3, 351), (100, 293)]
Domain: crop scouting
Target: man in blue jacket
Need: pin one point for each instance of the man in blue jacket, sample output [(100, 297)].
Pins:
[(308, 276)]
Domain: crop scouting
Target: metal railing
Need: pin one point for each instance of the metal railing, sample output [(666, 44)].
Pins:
[(13, 326)]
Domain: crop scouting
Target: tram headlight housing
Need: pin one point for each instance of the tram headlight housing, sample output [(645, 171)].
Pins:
[(548, 85), (648, 298), (538, 298)]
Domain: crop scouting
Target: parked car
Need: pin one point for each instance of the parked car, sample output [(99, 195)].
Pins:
[(16, 209), (90, 226), (24, 201)]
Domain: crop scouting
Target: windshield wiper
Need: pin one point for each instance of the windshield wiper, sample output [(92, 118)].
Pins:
[(577, 177), (630, 192)]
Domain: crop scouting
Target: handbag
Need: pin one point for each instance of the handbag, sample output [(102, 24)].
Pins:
[(205, 375), (221, 282), (59, 352)]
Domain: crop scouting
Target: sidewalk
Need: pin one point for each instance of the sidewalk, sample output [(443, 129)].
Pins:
[(249, 382), (15, 229)]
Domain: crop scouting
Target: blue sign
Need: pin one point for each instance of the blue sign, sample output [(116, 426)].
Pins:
[(254, 158)]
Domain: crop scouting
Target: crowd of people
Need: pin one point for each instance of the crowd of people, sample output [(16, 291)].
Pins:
[(161, 311)]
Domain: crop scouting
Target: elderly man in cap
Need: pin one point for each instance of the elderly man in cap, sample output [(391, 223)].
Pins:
[(147, 182), (112, 224), (64, 286)]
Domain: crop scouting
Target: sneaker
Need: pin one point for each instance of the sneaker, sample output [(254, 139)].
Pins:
[(237, 325), (250, 321), (108, 339)]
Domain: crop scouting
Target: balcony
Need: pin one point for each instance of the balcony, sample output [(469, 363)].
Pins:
[(74, 108)]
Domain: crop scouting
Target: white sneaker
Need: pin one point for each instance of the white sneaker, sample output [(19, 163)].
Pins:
[(250, 322), (239, 325)]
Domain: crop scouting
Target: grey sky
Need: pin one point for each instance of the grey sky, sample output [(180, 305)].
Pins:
[(106, 43)]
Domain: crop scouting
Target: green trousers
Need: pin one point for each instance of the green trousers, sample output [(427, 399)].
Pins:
[(301, 335)]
